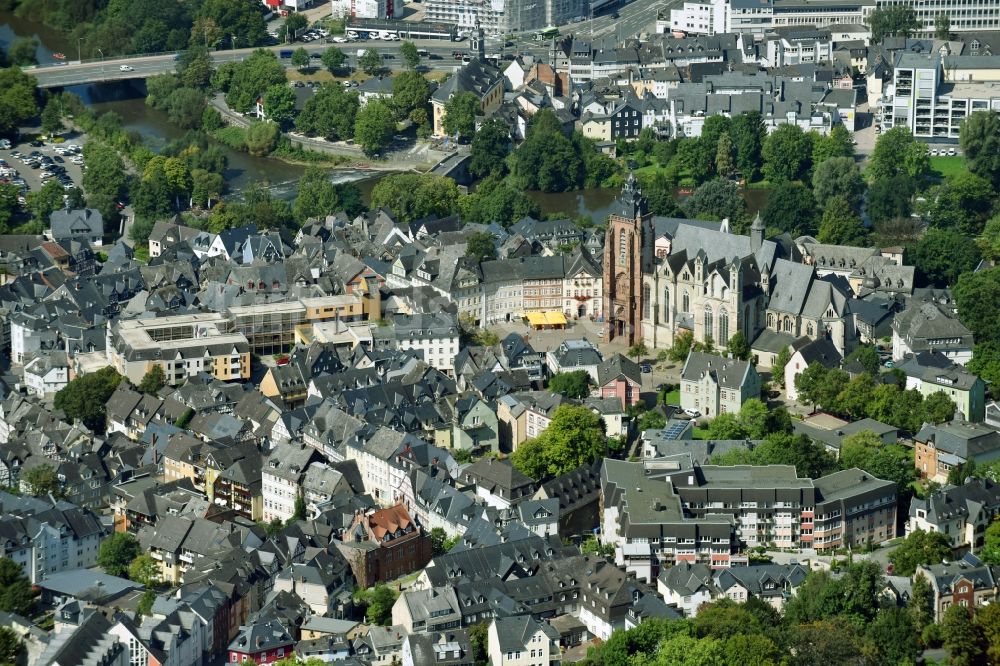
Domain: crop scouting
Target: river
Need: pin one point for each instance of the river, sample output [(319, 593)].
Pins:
[(128, 101)]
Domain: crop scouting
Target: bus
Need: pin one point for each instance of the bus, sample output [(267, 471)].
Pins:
[(550, 32)]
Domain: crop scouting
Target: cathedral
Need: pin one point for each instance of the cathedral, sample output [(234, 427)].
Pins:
[(666, 275)]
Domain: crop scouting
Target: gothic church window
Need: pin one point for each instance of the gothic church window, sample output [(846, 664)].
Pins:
[(621, 246), (723, 326), (708, 321)]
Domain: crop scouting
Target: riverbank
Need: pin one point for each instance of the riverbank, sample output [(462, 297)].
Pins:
[(419, 157)]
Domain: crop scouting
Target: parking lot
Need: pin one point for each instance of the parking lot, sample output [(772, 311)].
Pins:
[(30, 175)]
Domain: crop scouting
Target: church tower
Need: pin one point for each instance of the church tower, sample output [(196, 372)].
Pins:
[(756, 234), (627, 253)]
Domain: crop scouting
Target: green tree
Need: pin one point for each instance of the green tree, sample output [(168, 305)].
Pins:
[(979, 137), (716, 200), (370, 62), (11, 646), (942, 26), (279, 103), (964, 203), (49, 199), (808, 383), (682, 345), (243, 18), (782, 448), (978, 298), (185, 107), (117, 552), (51, 117), (15, 589), (262, 138), (23, 52), (300, 59), (334, 59), (378, 601), (546, 160), (989, 240), (781, 359), (891, 462), (18, 99), (725, 165), (374, 126), (890, 199), (415, 196), (988, 622), (105, 179), (574, 384), (792, 208), (195, 68), (410, 91), (490, 147), (919, 548), (892, 635), (652, 420), (146, 601), (962, 637), (938, 407), (986, 363), (85, 397), (896, 21), (481, 246), (42, 480), (897, 153), (838, 143), (942, 255), (460, 113), (838, 177), (920, 606), (725, 426), (294, 22), (317, 196), (497, 200), (991, 544), (479, 639), (244, 82), (841, 225), (748, 133), (331, 113), (738, 346), (153, 380), (438, 538), (574, 437), (787, 152), (755, 419), (411, 57), (144, 569), (867, 356)]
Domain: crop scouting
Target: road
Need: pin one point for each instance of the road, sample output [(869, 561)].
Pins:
[(634, 18)]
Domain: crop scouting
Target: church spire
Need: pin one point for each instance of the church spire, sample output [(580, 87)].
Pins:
[(631, 203), (756, 234)]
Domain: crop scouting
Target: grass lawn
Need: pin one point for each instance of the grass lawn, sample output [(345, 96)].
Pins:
[(948, 167), (673, 398), (699, 433)]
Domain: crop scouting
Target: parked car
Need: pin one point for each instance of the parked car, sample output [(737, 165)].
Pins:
[(646, 367), (693, 413)]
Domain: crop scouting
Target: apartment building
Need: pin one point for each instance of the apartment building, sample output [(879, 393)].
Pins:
[(44, 538), (182, 345), (757, 17), (961, 512), (853, 509), (282, 474), (434, 335), (963, 15), (656, 513), (931, 94)]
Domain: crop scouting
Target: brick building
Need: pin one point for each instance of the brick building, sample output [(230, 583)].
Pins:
[(385, 544)]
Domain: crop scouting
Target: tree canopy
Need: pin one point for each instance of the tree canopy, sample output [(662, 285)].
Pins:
[(574, 384), (85, 397), (575, 437), (117, 552), (414, 196)]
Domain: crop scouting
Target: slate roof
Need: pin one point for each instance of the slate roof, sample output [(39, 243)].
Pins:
[(77, 223), (730, 373), (475, 76), (618, 366), (516, 633), (974, 501), (962, 439)]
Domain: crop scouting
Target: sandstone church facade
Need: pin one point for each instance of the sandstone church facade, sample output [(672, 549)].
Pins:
[(667, 275)]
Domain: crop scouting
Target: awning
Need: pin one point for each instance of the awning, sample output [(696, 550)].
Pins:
[(536, 318), (555, 318)]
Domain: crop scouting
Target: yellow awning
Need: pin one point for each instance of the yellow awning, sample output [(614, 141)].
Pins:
[(555, 318), (536, 318)]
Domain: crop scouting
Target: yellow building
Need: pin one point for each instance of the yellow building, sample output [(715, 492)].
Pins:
[(478, 77)]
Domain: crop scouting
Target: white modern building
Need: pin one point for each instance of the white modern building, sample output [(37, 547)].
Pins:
[(963, 15)]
